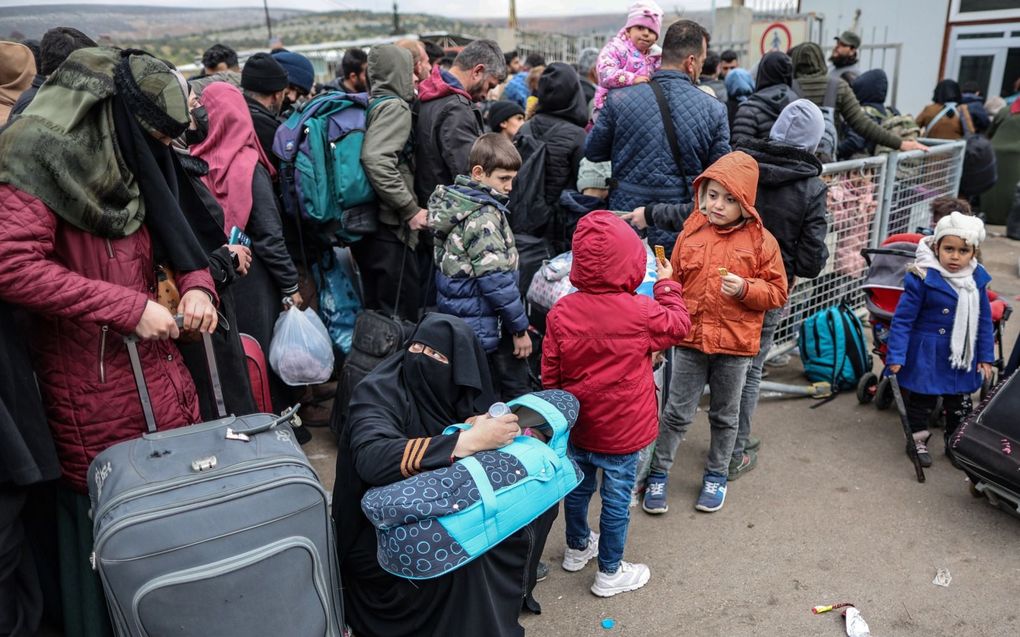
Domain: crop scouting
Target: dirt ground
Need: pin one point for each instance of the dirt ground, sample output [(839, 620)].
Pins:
[(833, 513)]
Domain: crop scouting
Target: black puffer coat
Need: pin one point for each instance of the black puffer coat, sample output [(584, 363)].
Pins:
[(755, 117), (559, 122), (791, 202)]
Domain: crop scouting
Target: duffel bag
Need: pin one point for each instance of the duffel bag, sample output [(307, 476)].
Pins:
[(437, 521)]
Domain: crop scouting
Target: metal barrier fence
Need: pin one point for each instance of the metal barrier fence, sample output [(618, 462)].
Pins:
[(868, 200)]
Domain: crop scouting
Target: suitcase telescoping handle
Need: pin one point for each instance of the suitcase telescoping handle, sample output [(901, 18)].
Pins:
[(143, 390)]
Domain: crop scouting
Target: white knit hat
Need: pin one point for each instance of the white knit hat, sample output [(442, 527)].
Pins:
[(957, 224)]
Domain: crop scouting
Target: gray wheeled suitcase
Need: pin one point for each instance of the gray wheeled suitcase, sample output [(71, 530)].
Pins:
[(220, 528)]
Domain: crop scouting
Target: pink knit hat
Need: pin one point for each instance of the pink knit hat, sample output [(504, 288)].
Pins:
[(645, 13)]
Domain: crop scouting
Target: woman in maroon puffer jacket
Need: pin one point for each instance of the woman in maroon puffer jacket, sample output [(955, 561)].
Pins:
[(87, 208)]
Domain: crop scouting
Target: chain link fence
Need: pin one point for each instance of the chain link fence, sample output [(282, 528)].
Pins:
[(856, 189), (918, 178)]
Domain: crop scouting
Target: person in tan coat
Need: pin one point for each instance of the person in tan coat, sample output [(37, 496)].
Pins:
[(947, 117), (732, 272), (17, 70)]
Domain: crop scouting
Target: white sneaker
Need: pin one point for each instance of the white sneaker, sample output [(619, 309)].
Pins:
[(574, 559), (629, 577)]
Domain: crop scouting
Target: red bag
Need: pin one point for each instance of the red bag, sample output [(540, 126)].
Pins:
[(258, 372)]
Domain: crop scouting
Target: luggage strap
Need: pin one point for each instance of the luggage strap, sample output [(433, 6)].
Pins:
[(488, 497), (143, 391)]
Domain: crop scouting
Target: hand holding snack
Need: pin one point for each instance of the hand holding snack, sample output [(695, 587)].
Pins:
[(732, 285)]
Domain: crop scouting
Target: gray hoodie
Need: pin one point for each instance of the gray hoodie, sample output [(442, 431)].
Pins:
[(800, 124), (387, 154)]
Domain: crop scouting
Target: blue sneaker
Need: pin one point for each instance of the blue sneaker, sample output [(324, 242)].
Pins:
[(655, 494), (713, 493)]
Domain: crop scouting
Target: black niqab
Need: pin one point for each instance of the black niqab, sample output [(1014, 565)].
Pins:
[(775, 68), (153, 165), (443, 394)]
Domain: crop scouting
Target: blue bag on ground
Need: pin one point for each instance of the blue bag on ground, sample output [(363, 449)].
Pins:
[(439, 520), (833, 349), (339, 303)]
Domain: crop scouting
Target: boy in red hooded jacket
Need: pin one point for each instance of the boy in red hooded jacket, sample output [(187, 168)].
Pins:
[(732, 272), (598, 346)]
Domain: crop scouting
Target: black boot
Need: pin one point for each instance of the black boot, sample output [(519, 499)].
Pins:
[(920, 443)]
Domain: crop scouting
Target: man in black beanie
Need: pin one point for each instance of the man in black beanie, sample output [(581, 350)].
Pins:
[(264, 83)]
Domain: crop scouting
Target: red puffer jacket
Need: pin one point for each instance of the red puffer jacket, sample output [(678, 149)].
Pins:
[(599, 340), (85, 293)]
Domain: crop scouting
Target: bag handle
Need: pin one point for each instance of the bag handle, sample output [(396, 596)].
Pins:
[(667, 124), (143, 391)]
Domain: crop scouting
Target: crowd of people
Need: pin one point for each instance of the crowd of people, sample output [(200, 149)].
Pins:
[(123, 186)]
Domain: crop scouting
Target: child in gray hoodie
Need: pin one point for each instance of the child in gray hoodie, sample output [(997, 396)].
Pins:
[(791, 202)]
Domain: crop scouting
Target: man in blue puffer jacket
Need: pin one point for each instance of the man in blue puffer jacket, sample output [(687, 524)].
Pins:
[(630, 132), (477, 261)]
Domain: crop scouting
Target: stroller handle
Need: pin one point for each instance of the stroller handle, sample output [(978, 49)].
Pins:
[(867, 253)]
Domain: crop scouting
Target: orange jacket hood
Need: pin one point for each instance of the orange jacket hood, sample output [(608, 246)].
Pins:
[(738, 173)]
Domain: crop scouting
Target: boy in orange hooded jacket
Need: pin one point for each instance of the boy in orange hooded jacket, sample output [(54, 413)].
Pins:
[(732, 272)]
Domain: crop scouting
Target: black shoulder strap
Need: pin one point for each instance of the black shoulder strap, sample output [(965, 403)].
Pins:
[(667, 124), (831, 93)]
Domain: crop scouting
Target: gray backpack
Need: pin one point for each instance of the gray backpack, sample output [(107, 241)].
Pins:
[(826, 151), (220, 528)]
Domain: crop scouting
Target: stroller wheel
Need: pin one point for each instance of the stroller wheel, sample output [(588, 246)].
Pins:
[(866, 388), (883, 394)]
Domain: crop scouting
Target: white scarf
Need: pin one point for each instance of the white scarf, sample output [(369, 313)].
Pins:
[(968, 306)]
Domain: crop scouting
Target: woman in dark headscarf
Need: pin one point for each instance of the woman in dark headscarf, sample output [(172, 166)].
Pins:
[(240, 178), (754, 117), (88, 207), (397, 417), (946, 117)]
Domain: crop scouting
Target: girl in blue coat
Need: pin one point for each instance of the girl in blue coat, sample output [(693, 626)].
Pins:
[(940, 342)]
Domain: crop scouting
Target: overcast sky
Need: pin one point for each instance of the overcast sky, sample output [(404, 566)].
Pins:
[(466, 8)]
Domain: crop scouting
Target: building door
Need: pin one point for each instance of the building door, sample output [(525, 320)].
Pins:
[(986, 54)]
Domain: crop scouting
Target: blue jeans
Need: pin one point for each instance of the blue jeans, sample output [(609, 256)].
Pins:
[(618, 475)]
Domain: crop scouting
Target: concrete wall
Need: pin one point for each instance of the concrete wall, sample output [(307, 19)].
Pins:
[(918, 24)]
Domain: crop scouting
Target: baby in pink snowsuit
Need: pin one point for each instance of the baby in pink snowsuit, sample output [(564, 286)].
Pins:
[(627, 60)]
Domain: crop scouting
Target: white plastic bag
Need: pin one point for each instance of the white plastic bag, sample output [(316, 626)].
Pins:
[(301, 352)]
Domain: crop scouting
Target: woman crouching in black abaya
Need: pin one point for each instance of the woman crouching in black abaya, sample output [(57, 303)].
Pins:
[(397, 416)]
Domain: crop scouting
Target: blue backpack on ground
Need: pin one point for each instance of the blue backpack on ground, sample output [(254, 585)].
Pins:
[(833, 349), (439, 520), (319, 147)]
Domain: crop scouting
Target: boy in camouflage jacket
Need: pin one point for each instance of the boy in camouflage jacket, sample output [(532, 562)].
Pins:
[(476, 260)]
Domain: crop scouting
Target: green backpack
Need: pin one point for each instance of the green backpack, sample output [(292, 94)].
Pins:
[(902, 126), (320, 150)]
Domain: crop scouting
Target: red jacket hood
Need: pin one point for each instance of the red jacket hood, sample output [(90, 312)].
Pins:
[(608, 255), (738, 173), (435, 87)]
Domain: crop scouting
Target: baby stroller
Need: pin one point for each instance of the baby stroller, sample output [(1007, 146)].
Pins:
[(883, 285)]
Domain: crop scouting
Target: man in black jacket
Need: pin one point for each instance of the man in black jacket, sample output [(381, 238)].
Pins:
[(791, 202), (448, 121), (264, 83)]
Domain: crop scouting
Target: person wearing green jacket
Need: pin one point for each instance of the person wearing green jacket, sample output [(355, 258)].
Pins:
[(811, 73), (387, 156)]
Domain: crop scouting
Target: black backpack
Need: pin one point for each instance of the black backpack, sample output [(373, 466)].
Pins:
[(529, 210), (979, 167)]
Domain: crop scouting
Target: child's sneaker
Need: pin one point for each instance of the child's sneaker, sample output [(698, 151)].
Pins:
[(713, 493), (629, 577), (748, 460), (655, 494), (752, 444), (576, 559)]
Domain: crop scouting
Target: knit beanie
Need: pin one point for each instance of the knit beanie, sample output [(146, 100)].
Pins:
[(300, 72), (501, 111), (154, 92), (645, 13), (957, 224), (801, 124), (592, 174), (263, 74)]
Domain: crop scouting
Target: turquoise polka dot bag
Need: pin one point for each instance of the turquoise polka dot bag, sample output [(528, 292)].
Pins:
[(437, 521)]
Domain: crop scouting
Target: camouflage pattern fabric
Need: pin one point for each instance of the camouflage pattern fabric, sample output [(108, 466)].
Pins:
[(473, 235)]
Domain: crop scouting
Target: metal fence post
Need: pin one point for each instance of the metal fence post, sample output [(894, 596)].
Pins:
[(888, 186)]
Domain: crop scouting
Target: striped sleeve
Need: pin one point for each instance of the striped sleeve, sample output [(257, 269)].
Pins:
[(414, 451)]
